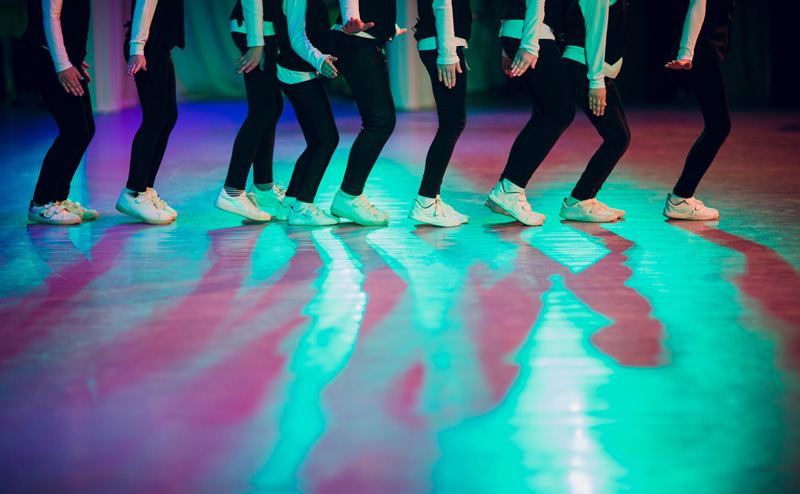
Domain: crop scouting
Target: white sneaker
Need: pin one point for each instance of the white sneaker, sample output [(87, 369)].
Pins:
[(52, 213), (307, 214), (82, 212), (142, 207), (269, 198), (358, 210), (463, 217), (589, 210), (162, 204), (689, 209), (282, 212), (620, 213), (437, 214), (503, 200), (244, 205)]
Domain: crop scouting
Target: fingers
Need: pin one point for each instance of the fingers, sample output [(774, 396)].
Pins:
[(368, 25), (401, 31), (86, 65)]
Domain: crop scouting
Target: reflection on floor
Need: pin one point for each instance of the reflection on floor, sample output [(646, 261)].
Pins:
[(216, 356)]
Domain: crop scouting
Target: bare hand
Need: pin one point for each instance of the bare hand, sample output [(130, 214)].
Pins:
[(328, 69), (447, 74), (354, 26), (250, 60), (506, 65), (679, 65), (135, 64), (86, 75), (522, 62), (399, 31), (597, 101), (70, 79)]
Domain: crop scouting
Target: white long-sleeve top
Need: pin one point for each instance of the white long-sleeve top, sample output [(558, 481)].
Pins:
[(349, 9), (691, 29), (140, 25), (255, 27), (445, 41), (295, 11), (52, 33), (530, 30), (595, 15)]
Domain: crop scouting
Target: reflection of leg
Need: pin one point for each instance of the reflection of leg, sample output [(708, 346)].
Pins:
[(709, 88), (336, 312), (634, 336)]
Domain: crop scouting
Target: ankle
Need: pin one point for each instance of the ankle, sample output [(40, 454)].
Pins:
[(510, 186), (425, 201), (571, 201)]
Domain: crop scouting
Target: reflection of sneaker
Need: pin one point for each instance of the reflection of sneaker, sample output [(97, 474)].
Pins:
[(52, 214), (142, 207), (307, 214), (81, 212), (244, 205), (268, 198), (689, 209), (358, 210), (589, 210), (619, 213), (506, 198), (437, 214), (162, 204), (282, 211)]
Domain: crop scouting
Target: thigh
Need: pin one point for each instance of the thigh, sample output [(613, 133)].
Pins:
[(547, 82), (312, 108), (450, 103), (153, 85), (366, 72), (708, 84)]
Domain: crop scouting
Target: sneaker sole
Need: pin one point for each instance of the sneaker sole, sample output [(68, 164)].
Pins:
[(302, 223), (339, 214), (46, 221), (427, 221), (590, 219), (233, 210), (496, 208), (133, 214), (688, 218)]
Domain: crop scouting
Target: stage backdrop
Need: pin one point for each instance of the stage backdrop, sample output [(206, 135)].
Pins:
[(754, 70)]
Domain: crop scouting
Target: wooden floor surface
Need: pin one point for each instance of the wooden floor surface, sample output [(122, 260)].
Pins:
[(644, 356)]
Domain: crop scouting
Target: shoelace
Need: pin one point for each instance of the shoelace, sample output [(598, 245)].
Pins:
[(253, 200), (362, 203), (279, 190), (440, 208)]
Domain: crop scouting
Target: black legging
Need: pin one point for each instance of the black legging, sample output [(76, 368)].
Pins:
[(255, 141), (156, 88), (73, 115), (552, 110), (612, 127), (362, 62), (708, 85), (451, 109), (314, 114)]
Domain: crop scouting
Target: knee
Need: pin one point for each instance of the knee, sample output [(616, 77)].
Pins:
[(566, 116), (718, 130), (619, 140), (329, 142), (382, 123), (453, 126)]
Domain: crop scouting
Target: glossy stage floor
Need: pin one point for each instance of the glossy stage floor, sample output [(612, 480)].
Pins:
[(215, 356)]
